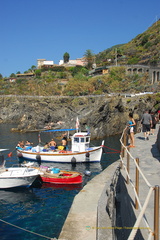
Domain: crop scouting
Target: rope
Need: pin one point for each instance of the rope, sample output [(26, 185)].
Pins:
[(115, 150), (25, 230), (136, 195), (136, 225)]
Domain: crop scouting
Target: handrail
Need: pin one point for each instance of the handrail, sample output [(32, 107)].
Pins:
[(152, 233)]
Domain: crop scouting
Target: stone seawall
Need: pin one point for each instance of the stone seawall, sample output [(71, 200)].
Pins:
[(158, 140)]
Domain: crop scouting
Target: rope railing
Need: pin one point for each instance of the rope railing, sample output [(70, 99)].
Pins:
[(152, 233)]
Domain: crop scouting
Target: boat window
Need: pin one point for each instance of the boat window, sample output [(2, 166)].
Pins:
[(76, 139), (82, 140)]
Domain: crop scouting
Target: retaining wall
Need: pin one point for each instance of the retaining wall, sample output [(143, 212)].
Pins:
[(158, 139)]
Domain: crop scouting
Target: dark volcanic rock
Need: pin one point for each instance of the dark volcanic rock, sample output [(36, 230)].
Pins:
[(102, 114)]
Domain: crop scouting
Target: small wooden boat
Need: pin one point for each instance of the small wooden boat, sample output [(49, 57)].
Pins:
[(61, 177)]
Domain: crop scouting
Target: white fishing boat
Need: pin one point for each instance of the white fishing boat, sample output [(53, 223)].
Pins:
[(16, 176), (80, 151)]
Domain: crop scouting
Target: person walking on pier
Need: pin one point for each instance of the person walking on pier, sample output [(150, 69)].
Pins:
[(146, 124)]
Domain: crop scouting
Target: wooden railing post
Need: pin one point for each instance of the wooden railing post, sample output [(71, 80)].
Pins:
[(137, 183), (128, 160), (125, 141), (122, 148), (156, 213)]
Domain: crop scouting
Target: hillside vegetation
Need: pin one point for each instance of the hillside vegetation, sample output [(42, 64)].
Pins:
[(75, 81), (143, 49)]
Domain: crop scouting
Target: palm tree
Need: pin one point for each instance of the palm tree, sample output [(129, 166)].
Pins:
[(89, 56)]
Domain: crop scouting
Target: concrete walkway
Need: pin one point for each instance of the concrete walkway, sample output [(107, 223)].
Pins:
[(147, 152), (149, 162)]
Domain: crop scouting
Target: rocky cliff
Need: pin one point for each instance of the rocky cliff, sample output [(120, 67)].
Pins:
[(104, 115)]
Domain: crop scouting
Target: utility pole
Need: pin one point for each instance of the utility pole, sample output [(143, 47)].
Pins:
[(116, 56)]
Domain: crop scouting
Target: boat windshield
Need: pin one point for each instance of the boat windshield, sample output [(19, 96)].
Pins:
[(81, 139), (76, 139)]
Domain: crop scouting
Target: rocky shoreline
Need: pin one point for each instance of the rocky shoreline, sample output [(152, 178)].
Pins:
[(104, 115)]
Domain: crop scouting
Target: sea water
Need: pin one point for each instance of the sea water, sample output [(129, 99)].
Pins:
[(41, 210)]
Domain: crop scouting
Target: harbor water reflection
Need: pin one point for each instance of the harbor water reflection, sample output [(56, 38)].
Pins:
[(42, 209)]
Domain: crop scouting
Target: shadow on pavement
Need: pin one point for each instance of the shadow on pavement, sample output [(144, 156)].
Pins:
[(155, 152)]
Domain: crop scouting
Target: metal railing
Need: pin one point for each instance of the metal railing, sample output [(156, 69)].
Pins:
[(153, 232)]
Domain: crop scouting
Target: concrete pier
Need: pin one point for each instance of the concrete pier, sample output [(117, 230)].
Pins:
[(105, 207)]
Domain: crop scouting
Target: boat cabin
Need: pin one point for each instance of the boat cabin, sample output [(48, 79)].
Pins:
[(80, 142)]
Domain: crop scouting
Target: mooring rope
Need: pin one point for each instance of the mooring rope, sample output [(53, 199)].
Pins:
[(26, 230), (115, 150)]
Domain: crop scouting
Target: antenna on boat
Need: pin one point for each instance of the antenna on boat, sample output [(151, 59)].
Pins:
[(39, 137), (77, 124)]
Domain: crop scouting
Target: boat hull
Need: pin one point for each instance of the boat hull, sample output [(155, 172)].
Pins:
[(64, 179), (17, 177), (93, 155)]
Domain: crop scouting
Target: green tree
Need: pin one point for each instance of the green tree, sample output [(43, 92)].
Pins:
[(33, 67), (1, 76), (66, 57), (12, 75), (89, 56), (38, 72)]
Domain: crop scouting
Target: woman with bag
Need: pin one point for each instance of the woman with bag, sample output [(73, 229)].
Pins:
[(131, 125)]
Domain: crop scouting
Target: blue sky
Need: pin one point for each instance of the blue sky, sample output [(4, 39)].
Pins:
[(35, 29)]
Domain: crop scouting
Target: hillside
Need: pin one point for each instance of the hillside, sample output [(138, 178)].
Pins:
[(143, 49)]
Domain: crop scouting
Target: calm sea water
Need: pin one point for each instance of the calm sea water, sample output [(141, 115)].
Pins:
[(42, 208)]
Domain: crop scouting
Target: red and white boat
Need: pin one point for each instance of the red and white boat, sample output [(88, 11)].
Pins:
[(60, 176)]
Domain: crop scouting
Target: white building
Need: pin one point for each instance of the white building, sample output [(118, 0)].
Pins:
[(78, 61), (44, 62)]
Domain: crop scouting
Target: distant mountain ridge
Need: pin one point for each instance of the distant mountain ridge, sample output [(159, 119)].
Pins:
[(144, 49)]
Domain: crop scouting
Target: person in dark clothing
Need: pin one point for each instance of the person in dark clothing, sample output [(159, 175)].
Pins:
[(154, 122), (146, 124)]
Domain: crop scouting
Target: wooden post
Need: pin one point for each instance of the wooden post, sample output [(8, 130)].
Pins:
[(156, 213), (137, 183), (125, 140), (128, 160), (122, 148)]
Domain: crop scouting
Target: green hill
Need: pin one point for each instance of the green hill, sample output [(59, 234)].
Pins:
[(143, 49)]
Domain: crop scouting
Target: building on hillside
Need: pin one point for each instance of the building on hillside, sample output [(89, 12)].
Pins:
[(153, 72), (30, 74), (76, 62), (44, 63)]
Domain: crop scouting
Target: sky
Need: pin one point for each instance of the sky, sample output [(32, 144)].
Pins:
[(46, 29)]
